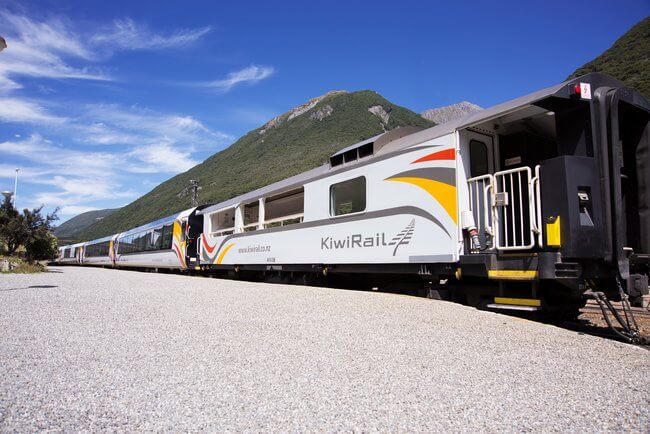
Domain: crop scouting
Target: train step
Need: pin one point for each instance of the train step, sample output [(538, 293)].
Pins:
[(524, 304)]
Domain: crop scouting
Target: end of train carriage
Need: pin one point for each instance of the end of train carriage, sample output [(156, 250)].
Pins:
[(558, 195), (527, 205)]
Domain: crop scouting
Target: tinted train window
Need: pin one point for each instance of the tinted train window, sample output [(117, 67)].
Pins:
[(478, 158), (98, 249), (167, 233), (348, 196)]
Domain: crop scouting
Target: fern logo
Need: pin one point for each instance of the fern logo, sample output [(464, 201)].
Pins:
[(403, 238)]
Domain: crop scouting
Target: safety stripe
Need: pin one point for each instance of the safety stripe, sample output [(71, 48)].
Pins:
[(512, 274), (518, 301)]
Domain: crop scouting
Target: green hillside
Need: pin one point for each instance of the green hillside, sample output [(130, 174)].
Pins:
[(628, 59), (68, 231), (294, 142)]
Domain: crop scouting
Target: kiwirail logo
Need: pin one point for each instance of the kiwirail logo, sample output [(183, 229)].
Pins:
[(361, 241)]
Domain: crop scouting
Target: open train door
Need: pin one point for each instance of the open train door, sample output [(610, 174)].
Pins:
[(193, 230), (628, 142)]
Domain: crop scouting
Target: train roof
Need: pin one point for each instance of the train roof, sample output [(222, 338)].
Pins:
[(561, 89), (394, 141), (157, 223), (101, 240)]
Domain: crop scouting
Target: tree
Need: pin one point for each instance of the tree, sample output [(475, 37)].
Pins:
[(13, 229), (30, 229), (40, 244)]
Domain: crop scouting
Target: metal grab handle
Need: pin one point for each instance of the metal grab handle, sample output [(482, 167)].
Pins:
[(489, 209)]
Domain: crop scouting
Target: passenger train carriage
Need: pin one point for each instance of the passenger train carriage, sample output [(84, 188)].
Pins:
[(71, 254), (160, 244), (525, 206), (100, 251)]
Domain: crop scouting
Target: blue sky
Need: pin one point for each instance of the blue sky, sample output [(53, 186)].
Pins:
[(100, 102)]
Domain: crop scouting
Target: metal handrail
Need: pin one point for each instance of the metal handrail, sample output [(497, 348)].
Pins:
[(519, 231), (486, 220), (538, 207)]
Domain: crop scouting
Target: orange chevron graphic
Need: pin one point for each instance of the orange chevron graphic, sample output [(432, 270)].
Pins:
[(444, 193), (446, 154), (223, 253)]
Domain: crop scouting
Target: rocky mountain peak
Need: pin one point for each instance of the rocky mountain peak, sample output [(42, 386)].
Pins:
[(450, 112), (301, 109)]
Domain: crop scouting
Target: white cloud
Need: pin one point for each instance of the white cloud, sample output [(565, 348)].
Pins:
[(252, 74), (51, 36), (133, 140), (45, 49), (20, 110), (66, 176), (49, 159), (126, 34), (161, 157), (71, 210), (37, 49), (79, 177), (136, 126)]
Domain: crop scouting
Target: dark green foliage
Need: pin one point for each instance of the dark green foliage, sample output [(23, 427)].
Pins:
[(627, 60), (12, 227), (30, 229), (68, 231), (258, 159)]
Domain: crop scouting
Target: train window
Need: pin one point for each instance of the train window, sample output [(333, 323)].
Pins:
[(366, 150), (348, 196), (478, 158), (151, 245), (157, 239), (167, 234), (350, 155), (336, 160), (97, 249)]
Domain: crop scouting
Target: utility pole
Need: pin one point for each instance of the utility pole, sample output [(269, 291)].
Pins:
[(194, 185), (16, 187)]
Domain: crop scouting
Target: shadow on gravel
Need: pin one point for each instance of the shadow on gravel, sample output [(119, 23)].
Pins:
[(31, 287)]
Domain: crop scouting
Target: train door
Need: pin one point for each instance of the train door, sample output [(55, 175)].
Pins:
[(629, 183), (194, 229), (479, 170)]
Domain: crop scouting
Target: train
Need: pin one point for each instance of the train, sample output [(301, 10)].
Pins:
[(530, 205)]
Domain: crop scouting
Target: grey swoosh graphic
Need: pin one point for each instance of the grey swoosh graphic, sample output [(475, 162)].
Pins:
[(410, 210)]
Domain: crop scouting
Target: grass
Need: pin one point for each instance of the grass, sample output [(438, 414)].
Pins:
[(23, 267)]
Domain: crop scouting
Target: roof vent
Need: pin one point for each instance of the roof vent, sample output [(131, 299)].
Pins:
[(369, 147)]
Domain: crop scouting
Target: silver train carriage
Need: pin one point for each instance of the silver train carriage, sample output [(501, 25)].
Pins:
[(525, 205)]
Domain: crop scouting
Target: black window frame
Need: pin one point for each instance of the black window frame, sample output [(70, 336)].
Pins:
[(473, 154), (332, 188)]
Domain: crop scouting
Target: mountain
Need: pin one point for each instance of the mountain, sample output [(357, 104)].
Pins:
[(628, 59), (296, 141), (70, 229), (450, 112)]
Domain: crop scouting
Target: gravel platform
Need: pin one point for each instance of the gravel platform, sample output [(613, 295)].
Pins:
[(93, 350)]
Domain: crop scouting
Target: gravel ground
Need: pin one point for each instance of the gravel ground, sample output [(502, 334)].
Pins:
[(92, 349)]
